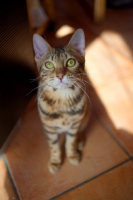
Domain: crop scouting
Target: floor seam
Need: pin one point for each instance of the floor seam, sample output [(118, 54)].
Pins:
[(93, 178), (10, 176), (110, 132)]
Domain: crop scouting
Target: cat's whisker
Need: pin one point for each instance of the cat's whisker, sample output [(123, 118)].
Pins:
[(74, 82), (81, 82), (87, 90), (82, 74), (85, 93), (87, 82), (39, 94), (91, 74), (34, 89), (83, 86), (81, 79), (88, 74), (77, 75), (35, 79)]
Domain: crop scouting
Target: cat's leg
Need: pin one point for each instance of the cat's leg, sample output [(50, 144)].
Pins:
[(55, 152), (80, 141), (71, 147)]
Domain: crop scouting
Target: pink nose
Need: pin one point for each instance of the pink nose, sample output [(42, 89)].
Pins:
[(60, 76)]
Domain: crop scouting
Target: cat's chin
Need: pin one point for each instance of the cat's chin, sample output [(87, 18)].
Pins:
[(61, 86)]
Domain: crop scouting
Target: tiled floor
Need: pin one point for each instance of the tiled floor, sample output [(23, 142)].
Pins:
[(6, 186), (106, 168), (108, 186)]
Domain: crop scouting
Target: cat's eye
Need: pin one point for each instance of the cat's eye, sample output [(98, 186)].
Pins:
[(49, 65), (71, 62)]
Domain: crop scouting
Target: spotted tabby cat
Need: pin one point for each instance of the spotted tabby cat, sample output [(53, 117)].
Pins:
[(62, 102)]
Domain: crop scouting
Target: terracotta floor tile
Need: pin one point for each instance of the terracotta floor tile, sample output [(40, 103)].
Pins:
[(109, 48), (6, 188), (104, 64), (118, 42), (117, 99), (28, 154), (114, 185), (116, 29)]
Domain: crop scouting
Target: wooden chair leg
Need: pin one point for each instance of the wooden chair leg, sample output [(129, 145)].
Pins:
[(99, 10)]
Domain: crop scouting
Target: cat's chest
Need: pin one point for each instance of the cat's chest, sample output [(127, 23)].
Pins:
[(61, 100), (64, 123), (60, 106), (61, 122), (61, 114)]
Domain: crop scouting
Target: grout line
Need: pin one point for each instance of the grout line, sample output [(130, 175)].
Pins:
[(106, 127), (11, 176), (91, 179), (11, 135)]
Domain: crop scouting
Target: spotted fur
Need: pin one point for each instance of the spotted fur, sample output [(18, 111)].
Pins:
[(62, 103)]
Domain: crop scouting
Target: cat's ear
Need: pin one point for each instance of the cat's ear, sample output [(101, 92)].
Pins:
[(77, 41), (40, 47)]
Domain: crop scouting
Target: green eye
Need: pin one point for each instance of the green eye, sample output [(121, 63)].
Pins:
[(71, 62), (49, 65)]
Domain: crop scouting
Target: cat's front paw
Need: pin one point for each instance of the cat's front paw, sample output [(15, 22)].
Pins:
[(80, 145), (54, 167), (75, 159)]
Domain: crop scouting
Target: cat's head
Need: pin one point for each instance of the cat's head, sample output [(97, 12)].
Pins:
[(60, 67)]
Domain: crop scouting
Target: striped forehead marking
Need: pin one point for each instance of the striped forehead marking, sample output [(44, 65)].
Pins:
[(59, 50)]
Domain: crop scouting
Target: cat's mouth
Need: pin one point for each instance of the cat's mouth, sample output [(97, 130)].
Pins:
[(62, 85)]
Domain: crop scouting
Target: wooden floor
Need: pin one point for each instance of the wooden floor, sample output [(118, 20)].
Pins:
[(106, 169)]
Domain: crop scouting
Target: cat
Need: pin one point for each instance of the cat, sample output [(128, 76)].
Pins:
[(62, 101)]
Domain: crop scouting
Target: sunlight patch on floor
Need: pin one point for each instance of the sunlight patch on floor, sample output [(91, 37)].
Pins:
[(64, 31), (105, 67), (92, 60), (112, 37)]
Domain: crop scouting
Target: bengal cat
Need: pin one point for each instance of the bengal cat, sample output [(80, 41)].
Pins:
[(62, 100)]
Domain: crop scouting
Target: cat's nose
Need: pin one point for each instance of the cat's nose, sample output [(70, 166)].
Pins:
[(60, 76)]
